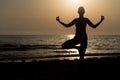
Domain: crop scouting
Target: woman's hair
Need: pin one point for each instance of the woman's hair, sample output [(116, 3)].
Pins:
[(81, 10)]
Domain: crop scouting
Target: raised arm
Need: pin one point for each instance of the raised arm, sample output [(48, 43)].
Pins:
[(64, 24), (95, 25)]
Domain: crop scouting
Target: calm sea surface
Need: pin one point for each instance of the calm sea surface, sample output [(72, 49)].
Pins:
[(46, 47)]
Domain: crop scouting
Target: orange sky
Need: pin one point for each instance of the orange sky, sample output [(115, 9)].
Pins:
[(35, 17)]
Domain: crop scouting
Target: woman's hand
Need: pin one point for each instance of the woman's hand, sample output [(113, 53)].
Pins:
[(57, 18), (102, 18)]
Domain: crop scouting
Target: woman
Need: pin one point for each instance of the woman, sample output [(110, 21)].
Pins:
[(80, 35)]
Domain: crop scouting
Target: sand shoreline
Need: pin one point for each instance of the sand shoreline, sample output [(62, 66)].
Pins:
[(95, 69)]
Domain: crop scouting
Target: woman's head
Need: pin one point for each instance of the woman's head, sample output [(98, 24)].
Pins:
[(81, 10)]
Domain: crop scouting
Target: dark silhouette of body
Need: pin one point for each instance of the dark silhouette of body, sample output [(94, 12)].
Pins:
[(80, 35)]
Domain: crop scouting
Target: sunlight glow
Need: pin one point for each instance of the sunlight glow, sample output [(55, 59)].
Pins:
[(79, 2), (75, 1)]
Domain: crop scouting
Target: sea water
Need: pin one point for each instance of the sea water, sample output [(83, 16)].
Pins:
[(47, 47)]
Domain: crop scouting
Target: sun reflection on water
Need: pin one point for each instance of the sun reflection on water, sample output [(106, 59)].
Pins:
[(70, 36)]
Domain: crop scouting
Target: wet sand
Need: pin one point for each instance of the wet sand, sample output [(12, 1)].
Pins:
[(91, 69)]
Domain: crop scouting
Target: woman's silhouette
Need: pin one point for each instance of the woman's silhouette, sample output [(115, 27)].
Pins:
[(80, 35)]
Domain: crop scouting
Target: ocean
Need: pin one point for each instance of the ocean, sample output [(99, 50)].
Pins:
[(27, 48)]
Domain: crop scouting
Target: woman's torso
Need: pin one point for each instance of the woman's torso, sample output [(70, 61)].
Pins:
[(81, 28)]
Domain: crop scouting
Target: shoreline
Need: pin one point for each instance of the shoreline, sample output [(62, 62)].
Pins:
[(59, 57)]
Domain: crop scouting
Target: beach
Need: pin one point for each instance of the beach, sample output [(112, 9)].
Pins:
[(89, 69), (34, 44), (40, 57)]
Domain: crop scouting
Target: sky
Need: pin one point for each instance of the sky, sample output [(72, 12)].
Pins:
[(36, 17)]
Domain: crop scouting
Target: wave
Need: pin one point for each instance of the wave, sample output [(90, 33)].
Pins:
[(27, 47), (115, 55)]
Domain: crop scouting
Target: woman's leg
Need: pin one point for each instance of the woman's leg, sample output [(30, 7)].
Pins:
[(69, 44), (82, 49), (72, 44)]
